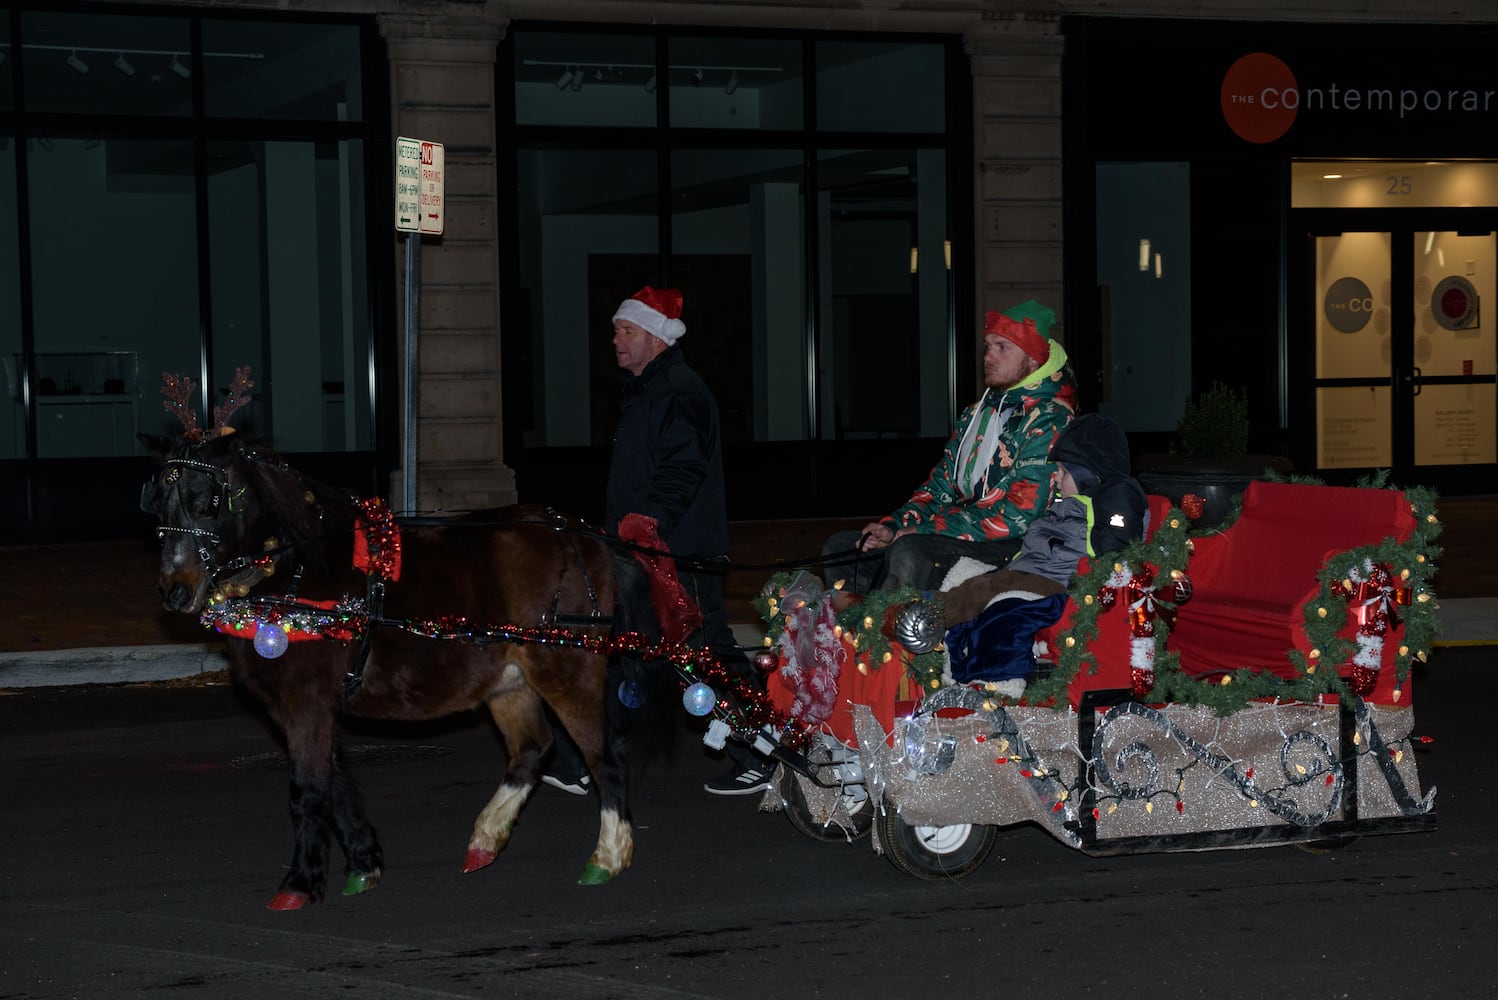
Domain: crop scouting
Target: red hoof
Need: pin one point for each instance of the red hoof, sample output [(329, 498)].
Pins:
[(288, 901), (477, 859)]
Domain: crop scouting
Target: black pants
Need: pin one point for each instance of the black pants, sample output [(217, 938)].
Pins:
[(918, 560), (715, 633)]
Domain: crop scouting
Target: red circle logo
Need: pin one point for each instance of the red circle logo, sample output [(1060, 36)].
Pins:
[(1260, 97)]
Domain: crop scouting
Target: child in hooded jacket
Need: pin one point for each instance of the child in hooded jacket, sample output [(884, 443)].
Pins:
[(1097, 507)]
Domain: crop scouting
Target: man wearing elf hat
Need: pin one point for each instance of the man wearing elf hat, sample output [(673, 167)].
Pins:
[(994, 475), (666, 472)]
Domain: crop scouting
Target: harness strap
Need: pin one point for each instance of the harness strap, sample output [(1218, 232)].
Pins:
[(553, 616), (374, 606)]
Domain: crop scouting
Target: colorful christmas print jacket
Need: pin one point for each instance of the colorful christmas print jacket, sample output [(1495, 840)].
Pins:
[(1014, 489)]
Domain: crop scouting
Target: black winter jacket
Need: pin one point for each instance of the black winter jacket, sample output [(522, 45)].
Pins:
[(1107, 513), (1119, 506), (667, 461)]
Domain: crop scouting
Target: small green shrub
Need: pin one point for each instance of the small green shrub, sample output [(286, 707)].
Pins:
[(1215, 424)]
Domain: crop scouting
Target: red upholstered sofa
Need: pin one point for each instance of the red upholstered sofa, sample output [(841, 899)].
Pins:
[(1253, 580)]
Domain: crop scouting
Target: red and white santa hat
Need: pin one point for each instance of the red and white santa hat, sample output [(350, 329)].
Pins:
[(655, 310)]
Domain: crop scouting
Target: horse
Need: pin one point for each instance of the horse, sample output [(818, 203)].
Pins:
[(541, 607)]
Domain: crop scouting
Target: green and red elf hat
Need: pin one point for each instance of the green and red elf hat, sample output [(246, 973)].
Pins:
[(1027, 326)]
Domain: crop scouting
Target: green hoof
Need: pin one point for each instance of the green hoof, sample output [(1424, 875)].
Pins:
[(594, 875), (358, 882)]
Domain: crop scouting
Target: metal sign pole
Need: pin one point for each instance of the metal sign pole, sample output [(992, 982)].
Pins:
[(420, 207), (413, 321)]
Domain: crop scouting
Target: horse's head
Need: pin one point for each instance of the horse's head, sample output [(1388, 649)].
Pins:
[(198, 495)]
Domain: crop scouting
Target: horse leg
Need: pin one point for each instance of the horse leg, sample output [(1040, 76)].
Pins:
[(579, 706), (361, 845), (310, 748), (527, 736)]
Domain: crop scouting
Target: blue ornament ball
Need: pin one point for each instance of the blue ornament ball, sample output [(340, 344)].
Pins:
[(270, 640), (629, 694), (699, 699)]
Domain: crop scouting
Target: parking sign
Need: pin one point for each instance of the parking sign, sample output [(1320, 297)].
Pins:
[(420, 200)]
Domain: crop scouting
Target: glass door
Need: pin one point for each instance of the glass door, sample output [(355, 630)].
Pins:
[(1451, 375), (1354, 351), (1405, 360)]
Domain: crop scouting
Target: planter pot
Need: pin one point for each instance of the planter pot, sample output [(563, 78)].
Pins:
[(1217, 481)]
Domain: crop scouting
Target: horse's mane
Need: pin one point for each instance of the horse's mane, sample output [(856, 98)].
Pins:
[(302, 512)]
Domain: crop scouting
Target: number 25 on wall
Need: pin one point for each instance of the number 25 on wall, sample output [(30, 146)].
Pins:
[(1399, 184)]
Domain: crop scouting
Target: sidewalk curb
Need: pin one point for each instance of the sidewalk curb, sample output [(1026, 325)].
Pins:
[(109, 665), (1465, 622)]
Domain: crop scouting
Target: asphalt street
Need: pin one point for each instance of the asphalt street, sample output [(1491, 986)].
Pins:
[(145, 828)]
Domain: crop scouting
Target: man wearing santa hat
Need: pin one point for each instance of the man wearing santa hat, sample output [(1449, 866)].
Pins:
[(667, 466)]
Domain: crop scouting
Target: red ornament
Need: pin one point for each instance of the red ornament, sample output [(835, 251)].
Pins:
[(1194, 506), (1361, 680), (1141, 682)]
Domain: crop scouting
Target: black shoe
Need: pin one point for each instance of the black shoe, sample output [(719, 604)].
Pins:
[(743, 779), (577, 785)]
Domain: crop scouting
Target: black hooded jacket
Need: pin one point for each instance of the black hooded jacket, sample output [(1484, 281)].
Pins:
[(667, 461), (1106, 515)]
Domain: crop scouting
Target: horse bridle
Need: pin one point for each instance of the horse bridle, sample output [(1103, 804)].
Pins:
[(221, 500), (207, 539)]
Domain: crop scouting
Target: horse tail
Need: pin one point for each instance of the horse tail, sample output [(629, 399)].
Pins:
[(642, 691)]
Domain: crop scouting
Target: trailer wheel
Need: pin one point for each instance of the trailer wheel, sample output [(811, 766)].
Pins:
[(826, 814), (1329, 844), (934, 852)]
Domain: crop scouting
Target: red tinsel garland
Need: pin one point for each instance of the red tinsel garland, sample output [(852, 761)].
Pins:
[(745, 708), (677, 613), (377, 540)]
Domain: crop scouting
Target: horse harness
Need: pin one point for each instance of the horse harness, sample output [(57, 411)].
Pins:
[(378, 573)]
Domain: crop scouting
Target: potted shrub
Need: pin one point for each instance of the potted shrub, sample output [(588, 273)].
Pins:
[(1210, 457)]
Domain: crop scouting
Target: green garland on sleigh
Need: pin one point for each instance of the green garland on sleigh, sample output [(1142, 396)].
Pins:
[(1412, 563), (864, 620), (1166, 556)]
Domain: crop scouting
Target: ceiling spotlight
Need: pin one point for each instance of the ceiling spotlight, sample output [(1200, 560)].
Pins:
[(650, 84), (78, 64), (123, 65), (177, 67), (732, 84), (697, 76), (577, 79), (564, 79)]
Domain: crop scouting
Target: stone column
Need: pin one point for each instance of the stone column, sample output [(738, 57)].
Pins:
[(1016, 59), (442, 89)]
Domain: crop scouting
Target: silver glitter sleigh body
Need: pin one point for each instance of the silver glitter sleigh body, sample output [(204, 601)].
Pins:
[(1151, 731)]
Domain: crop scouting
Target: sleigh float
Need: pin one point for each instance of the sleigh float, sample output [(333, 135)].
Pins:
[(1245, 686)]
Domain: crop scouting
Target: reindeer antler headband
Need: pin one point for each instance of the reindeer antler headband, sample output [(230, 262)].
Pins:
[(178, 390)]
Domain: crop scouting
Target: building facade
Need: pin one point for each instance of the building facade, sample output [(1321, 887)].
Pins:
[(1294, 200)]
